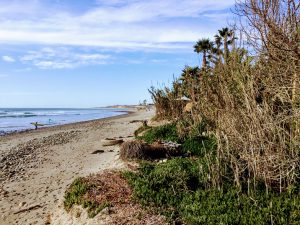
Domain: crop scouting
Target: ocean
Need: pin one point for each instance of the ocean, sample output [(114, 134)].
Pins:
[(19, 119)]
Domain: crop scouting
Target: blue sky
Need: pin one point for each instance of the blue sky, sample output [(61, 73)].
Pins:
[(87, 53)]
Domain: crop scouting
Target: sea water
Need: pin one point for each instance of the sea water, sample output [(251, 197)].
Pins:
[(18, 119)]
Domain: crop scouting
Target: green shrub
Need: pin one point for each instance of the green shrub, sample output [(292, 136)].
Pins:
[(180, 189), (164, 183), (94, 208), (195, 145), (141, 129), (199, 146), (233, 207), (75, 193), (166, 132)]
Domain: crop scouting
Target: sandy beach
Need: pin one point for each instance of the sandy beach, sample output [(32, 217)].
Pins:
[(37, 166)]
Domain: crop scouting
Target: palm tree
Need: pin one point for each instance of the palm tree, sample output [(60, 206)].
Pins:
[(218, 41), (189, 74), (224, 35), (228, 39), (189, 71), (203, 45), (189, 78), (216, 52), (214, 55)]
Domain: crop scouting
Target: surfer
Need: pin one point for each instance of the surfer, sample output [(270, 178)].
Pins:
[(36, 125)]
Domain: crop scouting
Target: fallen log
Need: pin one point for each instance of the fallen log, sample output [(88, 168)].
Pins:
[(28, 209)]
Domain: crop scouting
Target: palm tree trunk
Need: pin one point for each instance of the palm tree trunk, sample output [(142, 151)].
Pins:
[(204, 62)]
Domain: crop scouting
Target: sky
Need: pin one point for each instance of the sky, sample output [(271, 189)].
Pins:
[(90, 53)]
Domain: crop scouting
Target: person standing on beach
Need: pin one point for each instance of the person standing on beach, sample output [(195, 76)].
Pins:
[(35, 125)]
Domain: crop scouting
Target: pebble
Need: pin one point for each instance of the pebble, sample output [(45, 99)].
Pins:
[(21, 157), (21, 204), (105, 211)]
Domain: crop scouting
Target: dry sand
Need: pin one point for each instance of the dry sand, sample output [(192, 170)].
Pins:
[(37, 166)]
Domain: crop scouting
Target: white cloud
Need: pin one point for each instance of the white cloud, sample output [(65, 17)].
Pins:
[(53, 65), (152, 10), (129, 24), (7, 58), (91, 57), (62, 58), (159, 60)]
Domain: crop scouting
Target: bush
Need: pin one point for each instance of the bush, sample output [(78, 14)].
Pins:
[(195, 145), (132, 150), (164, 185), (75, 193), (141, 129), (199, 146), (98, 191), (233, 207), (166, 132), (160, 183), (140, 150), (179, 189)]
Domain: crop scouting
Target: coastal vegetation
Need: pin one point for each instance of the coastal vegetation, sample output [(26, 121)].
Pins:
[(98, 193), (236, 119)]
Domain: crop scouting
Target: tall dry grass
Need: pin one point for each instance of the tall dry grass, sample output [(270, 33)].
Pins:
[(166, 102), (251, 102)]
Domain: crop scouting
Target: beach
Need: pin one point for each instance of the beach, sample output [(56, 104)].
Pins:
[(38, 165)]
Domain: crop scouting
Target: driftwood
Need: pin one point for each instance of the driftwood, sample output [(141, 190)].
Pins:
[(145, 122), (28, 209), (135, 121), (111, 141), (98, 152)]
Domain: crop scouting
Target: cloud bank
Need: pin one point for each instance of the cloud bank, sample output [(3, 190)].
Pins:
[(62, 58), (112, 24)]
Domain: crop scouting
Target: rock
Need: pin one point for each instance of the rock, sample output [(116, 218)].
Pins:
[(3, 192), (21, 204), (162, 161), (105, 211)]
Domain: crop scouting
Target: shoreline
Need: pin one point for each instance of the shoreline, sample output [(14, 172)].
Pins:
[(12, 133), (37, 166)]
